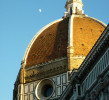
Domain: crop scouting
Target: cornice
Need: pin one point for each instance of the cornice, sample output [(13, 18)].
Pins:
[(46, 63), (46, 70), (46, 74)]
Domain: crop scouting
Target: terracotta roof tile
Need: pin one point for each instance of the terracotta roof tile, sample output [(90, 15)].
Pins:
[(50, 44), (86, 33)]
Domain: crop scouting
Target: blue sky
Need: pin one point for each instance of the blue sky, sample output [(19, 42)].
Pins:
[(20, 20)]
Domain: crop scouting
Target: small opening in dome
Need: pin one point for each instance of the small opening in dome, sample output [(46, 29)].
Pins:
[(82, 44)]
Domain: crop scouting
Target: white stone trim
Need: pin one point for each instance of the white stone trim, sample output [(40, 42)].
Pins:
[(70, 31), (35, 37), (98, 21)]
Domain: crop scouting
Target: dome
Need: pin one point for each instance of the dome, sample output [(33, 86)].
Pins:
[(51, 42)]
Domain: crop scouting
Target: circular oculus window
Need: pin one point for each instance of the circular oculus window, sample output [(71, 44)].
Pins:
[(44, 89)]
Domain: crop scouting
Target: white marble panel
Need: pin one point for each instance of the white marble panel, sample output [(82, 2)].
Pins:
[(31, 97), (59, 91), (26, 97), (64, 79), (63, 87), (58, 80), (20, 89), (26, 88), (31, 87)]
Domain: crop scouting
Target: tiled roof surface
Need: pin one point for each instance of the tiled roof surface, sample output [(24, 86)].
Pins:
[(85, 33), (50, 44)]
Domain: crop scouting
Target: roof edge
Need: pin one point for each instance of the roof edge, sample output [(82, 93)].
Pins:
[(100, 22)]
